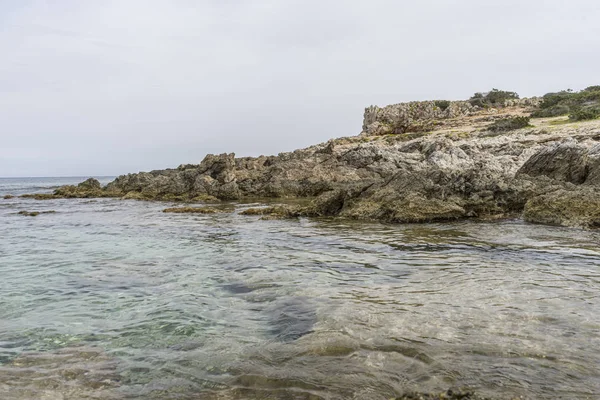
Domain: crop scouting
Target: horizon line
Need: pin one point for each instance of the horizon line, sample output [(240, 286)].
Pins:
[(59, 176)]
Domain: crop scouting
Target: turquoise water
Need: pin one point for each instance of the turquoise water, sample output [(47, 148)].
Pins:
[(113, 299)]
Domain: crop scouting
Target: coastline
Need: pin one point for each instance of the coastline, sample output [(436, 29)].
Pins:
[(547, 172)]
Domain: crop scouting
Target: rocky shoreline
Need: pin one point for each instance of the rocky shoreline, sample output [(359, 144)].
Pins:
[(413, 162)]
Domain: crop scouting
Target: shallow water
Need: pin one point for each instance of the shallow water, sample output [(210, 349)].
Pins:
[(112, 299)]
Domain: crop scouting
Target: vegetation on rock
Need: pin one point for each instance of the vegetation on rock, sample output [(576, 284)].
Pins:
[(493, 98), (8, 197), (581, 105), (509, 124), (584, 114), (442, 104)]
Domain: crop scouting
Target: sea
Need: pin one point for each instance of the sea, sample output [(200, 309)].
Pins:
[(114, 299)]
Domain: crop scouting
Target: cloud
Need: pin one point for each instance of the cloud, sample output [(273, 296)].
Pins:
[(119, 86)]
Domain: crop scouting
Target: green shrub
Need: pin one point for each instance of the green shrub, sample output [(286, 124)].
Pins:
[(550, 100), (509, 124), (584, 114), (595, 88), (493, 98), (554, 111), (568, 102), (442, 104)]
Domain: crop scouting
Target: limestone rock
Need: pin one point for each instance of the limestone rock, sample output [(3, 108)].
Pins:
[(416, 116)]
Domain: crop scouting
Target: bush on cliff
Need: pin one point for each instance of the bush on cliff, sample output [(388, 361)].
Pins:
[(493, 98), (584, 114), (568, 102), (442, 104), (509, 124)]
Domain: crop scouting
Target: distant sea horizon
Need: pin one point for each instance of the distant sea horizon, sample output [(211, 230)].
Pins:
[(58, 177), (23, 185)]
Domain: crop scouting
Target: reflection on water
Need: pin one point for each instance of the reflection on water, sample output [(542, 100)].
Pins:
[(116, 300)]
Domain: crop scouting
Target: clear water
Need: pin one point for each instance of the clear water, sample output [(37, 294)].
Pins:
[(112, 299)]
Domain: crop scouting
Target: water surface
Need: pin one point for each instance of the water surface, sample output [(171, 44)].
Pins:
[(113, 299)]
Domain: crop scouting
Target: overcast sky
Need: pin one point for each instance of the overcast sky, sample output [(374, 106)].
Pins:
[(101, 87)]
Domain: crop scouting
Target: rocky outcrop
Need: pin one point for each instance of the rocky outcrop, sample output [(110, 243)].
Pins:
[(427, 116), (416, 116), (432, 176)]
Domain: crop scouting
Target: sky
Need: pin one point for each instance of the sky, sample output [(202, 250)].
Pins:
[(103, 87)]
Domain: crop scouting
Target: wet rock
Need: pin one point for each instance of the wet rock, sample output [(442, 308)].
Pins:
[(329, 203), (275, 212), (8, 197), (40, 196), (572, 208)]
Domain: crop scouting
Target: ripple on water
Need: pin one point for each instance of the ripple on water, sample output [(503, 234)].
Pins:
[(113, 299)]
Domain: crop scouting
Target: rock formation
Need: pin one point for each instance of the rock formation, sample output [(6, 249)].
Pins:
[(413, 162)]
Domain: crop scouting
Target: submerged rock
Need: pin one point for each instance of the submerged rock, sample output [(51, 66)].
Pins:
[(448, 395), (193, 210), (276, 212), (69, 373), (35, 213), (40, 196)]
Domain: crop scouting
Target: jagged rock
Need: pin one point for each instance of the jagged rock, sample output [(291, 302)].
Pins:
[(416, 116), (593, 164), (220, 167), (329, 203), (229, 191), (567, 161), (90, 184)]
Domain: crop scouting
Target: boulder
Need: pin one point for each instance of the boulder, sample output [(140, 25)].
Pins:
[(566, 161)]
